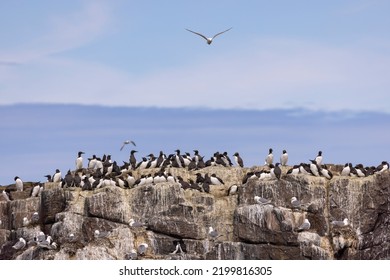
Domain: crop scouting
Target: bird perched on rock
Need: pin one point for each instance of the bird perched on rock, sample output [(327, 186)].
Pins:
[(132, 159), (325, 172), (127, 142), (57, 176), (304, 226), (35, 218), (318, 158), (177, 249), (213, 234), (342, 223), (142, 248), (20, 244), (6, 196), (215, 180), (35, 190), (209, 40), (18, 184), (238, 159), (284, 158), (97, 234), (132, 255), (295, 203), (68, 180), (314, 168), (261, 200), (184, 185), (135, 224), (269, 158), (276, 171), (382, 167), (293, 170), (26, 222), (346, 170), (233, 189), (79, 160)]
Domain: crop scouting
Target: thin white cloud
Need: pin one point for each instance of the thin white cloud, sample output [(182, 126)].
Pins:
[(63, 32), (271, 73)]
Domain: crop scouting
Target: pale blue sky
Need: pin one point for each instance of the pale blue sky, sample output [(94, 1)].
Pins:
[(330, 56), (318, 55)]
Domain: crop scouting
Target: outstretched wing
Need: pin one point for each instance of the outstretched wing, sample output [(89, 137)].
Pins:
[(201, 35), (132, 142), (123, 146), (222, 32)]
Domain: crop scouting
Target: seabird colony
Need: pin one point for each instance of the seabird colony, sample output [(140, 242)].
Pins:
[(103, 171)]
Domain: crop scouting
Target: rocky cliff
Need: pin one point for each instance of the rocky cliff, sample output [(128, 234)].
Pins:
[(172, 215)]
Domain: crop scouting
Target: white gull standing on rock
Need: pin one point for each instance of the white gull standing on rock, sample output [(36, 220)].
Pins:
[(20, 244), (262, 200), (142, 248), (304, 226), (342, 223)]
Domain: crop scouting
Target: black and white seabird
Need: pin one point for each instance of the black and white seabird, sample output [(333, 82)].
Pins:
[(269, 158), (346, 170), (238, 159), (284, 158), (293, 170), (79, 160), (233, 189), (382, 167), (92, 162), (196, 156), (318, 158), (6, 196), (183, 184), (35, 190), (48, 177), (68, 180), (226, 159), (209, 40), (360, 170), (179, 159), (127, 142), (18, 184), (277, 171), (325, 172), (57, 176), (142, 164), (314, 169), (216, 180), (193, 165), (133, 160)]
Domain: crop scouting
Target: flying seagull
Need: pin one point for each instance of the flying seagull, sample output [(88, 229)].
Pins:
[(127, 142), (209, 39)]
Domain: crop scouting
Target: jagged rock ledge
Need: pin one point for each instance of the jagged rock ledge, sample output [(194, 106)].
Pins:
[(248, 230)]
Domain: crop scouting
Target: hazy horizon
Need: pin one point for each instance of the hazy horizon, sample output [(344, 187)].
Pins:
[(38, 138)]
